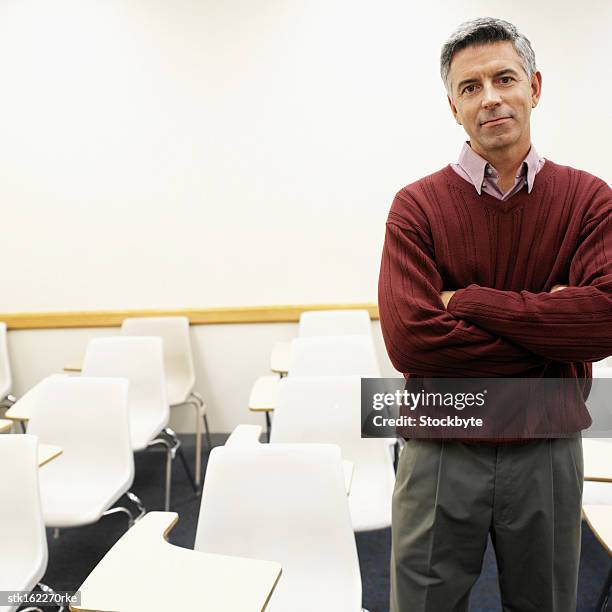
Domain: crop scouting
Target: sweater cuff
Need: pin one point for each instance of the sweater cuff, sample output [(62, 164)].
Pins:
[(455, 305)]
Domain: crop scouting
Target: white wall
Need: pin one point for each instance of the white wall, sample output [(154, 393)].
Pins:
[(194, 153), (190, 153)]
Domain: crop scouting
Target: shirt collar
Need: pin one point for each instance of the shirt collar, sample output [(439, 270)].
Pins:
[(476, 167)]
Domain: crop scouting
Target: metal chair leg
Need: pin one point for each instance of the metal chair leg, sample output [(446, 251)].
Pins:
[(181, 455), (177, 448), (47, 589), (168, 492), (170, 454), (196, 401), (268, 426), (208, 440), (132, 520), (121, 510), (198, 444)]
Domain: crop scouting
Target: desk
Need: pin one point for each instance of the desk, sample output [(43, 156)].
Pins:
[(142, 572), (279, 358), (597, 460), (73, 367), (263, 393), (263, 397), (21, 410), (48, 452)]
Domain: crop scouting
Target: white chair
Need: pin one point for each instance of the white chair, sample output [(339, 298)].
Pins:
[(285, 503), (88, 418), (244, 435), (334, 356), (23, 554), (6, 380), (335, 323), (140, 360), (327, 409), (180, 373)]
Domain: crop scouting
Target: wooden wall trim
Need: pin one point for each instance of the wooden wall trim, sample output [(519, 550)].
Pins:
[(197, 316)]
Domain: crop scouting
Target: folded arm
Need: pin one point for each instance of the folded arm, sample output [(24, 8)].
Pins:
[(574, 324), (421, 337)]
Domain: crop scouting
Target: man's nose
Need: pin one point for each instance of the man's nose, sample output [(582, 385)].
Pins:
[(490, 97)]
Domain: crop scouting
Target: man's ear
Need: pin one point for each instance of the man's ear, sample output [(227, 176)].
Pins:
[(536, 89), (453, 110)]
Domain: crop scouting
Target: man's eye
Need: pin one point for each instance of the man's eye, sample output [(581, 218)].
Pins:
[(469, 89), (505, 80)]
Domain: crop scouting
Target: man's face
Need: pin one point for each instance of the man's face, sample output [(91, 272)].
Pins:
[(491, 96)]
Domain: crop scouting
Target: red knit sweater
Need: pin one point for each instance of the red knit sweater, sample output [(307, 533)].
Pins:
[(502, 258)]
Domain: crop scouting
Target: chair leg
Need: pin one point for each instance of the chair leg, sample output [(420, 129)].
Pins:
[(138, 503), (168, 491), (181, 454), (198, 448), (208, 440), (268, 426), (198, 405), (170, 453), (47, 589), (121, 510), (132, 520), (176, 448), (605, 593)]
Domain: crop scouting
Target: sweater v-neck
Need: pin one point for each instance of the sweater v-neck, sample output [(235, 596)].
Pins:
[(517, 200)]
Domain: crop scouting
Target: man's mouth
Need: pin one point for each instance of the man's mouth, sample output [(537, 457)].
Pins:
[(496, 121)]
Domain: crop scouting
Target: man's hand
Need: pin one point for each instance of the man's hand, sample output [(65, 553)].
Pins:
[(446, 296)]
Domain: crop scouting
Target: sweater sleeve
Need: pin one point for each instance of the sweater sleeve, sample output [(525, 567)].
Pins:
[(421, 337), (574, 324)]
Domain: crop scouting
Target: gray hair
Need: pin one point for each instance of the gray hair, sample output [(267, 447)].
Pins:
[(482, 31)]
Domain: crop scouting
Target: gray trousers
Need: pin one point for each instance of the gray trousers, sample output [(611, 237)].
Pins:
[(449, 496)]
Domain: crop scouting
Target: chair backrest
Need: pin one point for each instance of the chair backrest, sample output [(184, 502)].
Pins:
[(333, 356), (335, 323), (6, 381), (321, 409), (178, 357), (23, 554), (88, 418), (285, 503), (327, 409), (140, 360)]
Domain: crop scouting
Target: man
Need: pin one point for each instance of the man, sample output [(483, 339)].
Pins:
[(497, 265)]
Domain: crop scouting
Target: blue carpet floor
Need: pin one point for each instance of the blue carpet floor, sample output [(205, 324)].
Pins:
[(77, 551)]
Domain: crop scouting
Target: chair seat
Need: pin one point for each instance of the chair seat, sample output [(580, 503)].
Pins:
[(143, 430), (20, 574), (371, 493), (72, 506), (294, 589), (177, 392)]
